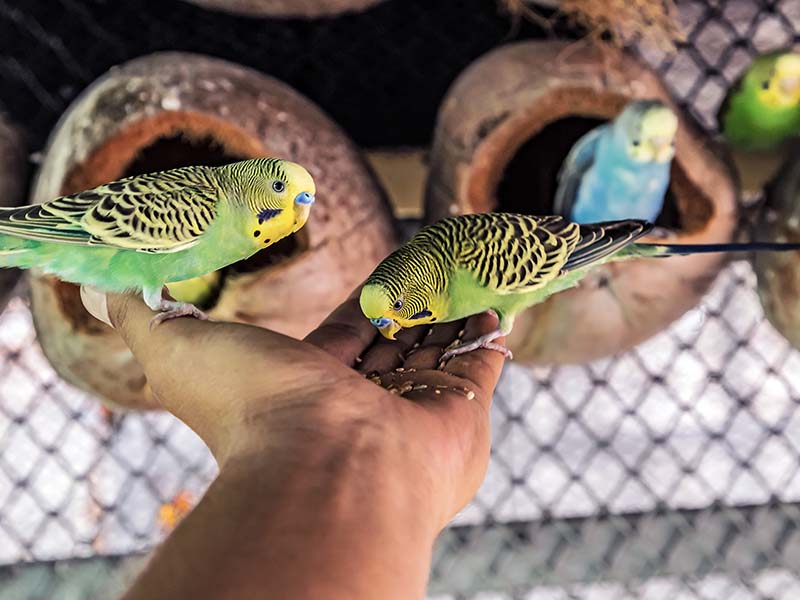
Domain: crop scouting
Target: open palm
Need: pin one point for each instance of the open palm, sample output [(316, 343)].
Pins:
[(244, 389)]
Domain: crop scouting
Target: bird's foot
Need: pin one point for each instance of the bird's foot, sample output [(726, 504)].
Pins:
[(485, 341), (173, 310)]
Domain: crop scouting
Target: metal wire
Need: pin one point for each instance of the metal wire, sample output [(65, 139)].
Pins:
[(672, 471)]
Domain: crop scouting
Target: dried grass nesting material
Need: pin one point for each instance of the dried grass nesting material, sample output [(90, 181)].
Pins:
[(619, 22)]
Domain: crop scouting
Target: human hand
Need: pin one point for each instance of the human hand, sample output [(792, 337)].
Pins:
[(316, 459), (235, 384)]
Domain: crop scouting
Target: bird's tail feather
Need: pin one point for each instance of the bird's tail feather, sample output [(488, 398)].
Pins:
[(14, 252), (602, 241), (664, 250)]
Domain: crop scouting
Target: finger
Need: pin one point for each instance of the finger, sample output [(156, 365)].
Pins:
[(480, 367), (346, 333), (386, 355), (432, 347)]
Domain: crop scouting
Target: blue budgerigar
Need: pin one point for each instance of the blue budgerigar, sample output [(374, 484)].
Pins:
[(620, 170)]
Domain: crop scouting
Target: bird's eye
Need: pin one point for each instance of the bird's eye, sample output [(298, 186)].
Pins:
[(398, 304), (636, 142), (278, 186), (765, 85)]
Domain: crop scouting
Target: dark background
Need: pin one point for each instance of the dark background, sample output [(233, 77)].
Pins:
[(380, 74)]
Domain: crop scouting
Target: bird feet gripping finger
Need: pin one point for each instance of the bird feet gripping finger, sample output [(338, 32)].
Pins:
[(485, 341), (173, 310)]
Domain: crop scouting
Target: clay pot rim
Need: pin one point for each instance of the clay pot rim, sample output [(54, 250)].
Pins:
[(498, 147)]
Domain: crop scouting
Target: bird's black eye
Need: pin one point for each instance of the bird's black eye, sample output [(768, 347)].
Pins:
[(765, 85), (398, 304), (636, 142), (278, 186)]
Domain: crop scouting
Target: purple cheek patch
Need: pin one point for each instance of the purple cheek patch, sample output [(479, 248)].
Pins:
[(267, 214)]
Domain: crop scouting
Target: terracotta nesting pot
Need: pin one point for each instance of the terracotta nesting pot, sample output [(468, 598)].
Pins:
[(308, 9), (779, 272), (504, 129), (172, 109), (13, 181)]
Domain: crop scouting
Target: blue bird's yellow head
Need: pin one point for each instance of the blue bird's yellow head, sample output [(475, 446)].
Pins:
[(648, 128)]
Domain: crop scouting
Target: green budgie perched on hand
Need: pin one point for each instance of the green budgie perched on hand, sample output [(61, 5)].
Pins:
[(140, 233), (465, 265)]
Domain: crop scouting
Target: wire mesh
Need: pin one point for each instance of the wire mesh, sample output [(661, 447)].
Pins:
[(672, 471)]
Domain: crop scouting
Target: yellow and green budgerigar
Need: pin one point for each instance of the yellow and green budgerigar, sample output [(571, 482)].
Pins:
[(468, 264), (142, 232), (763, 109)]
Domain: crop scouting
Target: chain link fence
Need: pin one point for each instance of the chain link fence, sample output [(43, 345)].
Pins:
[(672, 471)]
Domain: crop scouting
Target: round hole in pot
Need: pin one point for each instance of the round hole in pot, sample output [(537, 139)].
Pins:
[(178, 151), (168, 141), (530, 179)]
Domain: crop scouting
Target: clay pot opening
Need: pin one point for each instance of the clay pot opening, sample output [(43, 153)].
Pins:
[(530, 148), (529, 180), (178, 150), (168, 146)]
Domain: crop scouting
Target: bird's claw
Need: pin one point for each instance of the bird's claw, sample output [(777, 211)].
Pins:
[(484, 342), (182, 309)]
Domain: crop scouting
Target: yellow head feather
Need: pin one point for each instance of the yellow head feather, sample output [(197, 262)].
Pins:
[(659, 127), (782, 88)]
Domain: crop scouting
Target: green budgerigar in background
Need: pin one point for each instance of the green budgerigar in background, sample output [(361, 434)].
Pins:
[(140, 233), (763, 109), (466, 265)]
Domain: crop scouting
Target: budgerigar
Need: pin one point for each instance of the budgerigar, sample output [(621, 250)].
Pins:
[(140, 233), (504, 262), (620, 170), (763, 109)]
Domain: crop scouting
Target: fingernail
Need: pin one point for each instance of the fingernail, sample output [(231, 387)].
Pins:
[(96, 303)]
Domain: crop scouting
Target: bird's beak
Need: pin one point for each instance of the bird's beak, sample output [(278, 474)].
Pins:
[(304, 199), (659, 143), (661, 147), (387, 327), (790, 85)]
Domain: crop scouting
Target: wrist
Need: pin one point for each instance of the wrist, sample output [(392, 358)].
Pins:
[(353, 510)]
